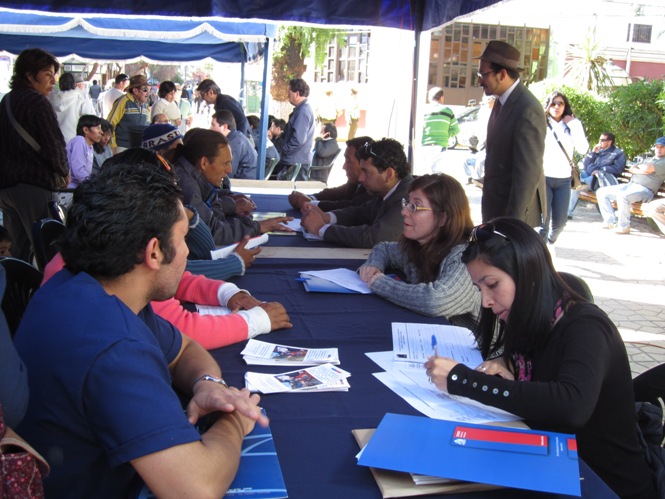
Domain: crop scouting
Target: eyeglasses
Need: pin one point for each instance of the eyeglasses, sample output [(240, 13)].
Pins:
[(145, 90), (367, 151), (484, 75), (483, 232), (557, 104), (605, 140), (412, 207)]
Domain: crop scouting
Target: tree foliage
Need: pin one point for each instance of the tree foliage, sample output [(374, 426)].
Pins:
[(294, 45), (586, 67)]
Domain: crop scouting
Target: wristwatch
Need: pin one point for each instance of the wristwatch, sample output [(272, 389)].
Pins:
[(214, 379)]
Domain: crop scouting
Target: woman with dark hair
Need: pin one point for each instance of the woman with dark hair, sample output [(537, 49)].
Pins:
[(101, 151), (32, 163), (437, 225), (166, 104), (563, 365), (201, 164), (564, 133)]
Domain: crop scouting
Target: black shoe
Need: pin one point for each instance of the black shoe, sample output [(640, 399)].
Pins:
[(469, 181), (570, 217)]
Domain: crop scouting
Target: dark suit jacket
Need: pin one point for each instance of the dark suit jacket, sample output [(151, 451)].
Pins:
[(349, 194), (514, 184), (372, 222)]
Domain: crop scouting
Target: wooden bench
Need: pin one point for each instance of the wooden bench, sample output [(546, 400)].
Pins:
[(623, 178)]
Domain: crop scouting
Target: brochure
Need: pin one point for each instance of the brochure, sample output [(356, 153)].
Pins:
[(269, 354), (323, 378)]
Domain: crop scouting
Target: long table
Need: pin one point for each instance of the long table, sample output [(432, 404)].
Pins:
[(312, 431)]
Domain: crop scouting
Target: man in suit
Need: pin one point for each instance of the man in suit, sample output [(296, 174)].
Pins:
[(514, 183), (353, 193), (386, 174)]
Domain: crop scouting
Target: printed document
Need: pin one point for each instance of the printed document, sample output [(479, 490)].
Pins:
[(414, 343), (220, 253), (323, 378), (346, 278), (269, 354)]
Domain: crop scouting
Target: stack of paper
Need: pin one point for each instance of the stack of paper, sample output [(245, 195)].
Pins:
[(324, 378), (334, 281), (261, 353), (405, 374)]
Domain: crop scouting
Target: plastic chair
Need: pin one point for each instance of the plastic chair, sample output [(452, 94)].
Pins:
[(22, 281), (578, 285), (291, 173), (270, 166), (45, 234), (322, 172)]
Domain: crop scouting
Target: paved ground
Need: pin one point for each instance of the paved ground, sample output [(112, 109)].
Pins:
[(626, 273)]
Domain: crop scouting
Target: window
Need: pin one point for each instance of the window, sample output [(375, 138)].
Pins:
[(347, 63), (641, 33)]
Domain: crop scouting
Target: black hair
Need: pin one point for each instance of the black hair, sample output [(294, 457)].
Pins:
[(87, 120), (225, 117), (521, 253), (116, 212), (199, 143), (254, 121), (165, 88), (358, 142), (387, 153), (567, 110), (512, 73), (299, 85), (30, 62), (4, 234), (610, 136), (331, 129), (66, 82)]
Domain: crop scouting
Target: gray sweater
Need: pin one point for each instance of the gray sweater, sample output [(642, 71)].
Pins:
[(452, 295)]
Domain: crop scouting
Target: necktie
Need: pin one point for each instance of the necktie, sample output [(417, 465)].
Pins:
[(495, 113)]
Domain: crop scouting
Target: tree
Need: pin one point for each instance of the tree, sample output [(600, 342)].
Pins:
[(294, 45), (586, 67)]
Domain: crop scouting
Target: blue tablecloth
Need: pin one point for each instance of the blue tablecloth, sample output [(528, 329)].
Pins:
[(312, 431)]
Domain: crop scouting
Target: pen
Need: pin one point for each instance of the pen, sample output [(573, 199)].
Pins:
[(434, 346), (294, 185)]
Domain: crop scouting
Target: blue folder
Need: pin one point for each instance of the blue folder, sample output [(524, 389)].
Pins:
[(510, 457)]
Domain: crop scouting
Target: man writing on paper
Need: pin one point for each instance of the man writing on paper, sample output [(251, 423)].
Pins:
[(102, 366), (386, 174)]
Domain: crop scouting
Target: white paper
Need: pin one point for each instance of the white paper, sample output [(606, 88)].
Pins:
[(258, 352), (325, 377), (227, 250), (413, 343), (346, 278), (294, 224)]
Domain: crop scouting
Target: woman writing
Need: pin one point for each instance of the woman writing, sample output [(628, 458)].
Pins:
[(437, 224), (564, 132), (563, 367)]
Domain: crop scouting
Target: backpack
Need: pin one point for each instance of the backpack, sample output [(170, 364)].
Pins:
[(650, 435)]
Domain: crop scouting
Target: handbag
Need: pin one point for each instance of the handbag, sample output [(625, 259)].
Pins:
[(21, 467), (575, 179)]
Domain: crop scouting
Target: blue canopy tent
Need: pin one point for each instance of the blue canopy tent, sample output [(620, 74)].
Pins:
[(140, 25)]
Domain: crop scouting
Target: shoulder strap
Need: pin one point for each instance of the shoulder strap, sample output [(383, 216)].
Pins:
[(21, 131), (572, 165)]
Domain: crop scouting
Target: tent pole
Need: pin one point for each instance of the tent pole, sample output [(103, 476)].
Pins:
[(418, 16), (265, 106)]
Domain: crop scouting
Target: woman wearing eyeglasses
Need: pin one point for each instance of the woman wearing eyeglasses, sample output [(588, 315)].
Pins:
[(563, 365), (437, 225), (565, 134)]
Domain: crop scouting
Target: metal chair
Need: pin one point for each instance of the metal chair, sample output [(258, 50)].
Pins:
[(22, 281), (291, 173), (45, 234), (322, 172), (270, 166)]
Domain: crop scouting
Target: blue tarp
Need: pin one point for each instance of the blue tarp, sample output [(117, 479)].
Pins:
[(156, 38), (404, 14)]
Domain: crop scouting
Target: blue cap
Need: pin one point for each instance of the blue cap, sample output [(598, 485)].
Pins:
[(660, 141), (160, 136)]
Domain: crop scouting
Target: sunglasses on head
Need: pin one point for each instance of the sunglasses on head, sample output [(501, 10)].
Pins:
[(366, 152), (483, 232)]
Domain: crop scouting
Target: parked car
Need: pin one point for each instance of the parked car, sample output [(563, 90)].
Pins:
[(468, 122)]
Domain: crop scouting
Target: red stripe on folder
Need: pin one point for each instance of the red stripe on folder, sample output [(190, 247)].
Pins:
[(572, 444), (508, 437)]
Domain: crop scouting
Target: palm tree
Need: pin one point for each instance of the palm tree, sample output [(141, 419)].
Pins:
[(586, 67)]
